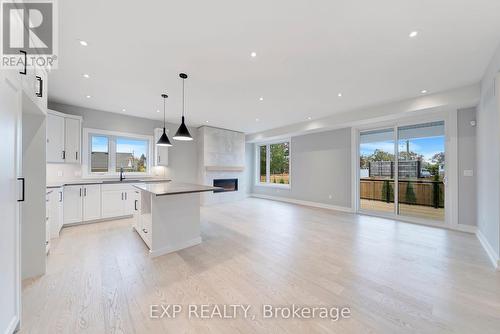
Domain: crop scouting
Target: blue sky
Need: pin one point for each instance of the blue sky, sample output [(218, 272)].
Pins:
[(123, 145), (425, 146)]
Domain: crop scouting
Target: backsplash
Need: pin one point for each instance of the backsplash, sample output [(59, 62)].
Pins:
[(66, 172)]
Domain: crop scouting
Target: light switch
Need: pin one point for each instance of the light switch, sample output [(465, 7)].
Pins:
[(468, 172)]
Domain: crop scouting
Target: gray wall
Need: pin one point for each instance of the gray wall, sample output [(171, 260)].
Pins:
[(467, 206), (320, 166), (488, 152), (183, 156)]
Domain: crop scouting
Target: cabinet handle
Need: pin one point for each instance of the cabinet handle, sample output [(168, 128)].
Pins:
[(125, 196), (122, 196), (60, 196), (46, 243), (158, 158), (40, 86), (23, 189), (144, 230), (85, 192), (80, 192), (76, 155), (23, 72), (64, 155), (135, 205)]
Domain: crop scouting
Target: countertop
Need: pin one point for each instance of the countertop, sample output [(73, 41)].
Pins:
[(130, 180), (174, 188)]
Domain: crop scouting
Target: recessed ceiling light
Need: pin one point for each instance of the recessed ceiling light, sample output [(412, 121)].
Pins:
[(339, 94), (309, 118), (206, 121), (157, 110), (83, 43), (257, 119), (124, 109), (86, 76), (423, 91), (261, 98), (253, 54), (88, 96), (413, 34)]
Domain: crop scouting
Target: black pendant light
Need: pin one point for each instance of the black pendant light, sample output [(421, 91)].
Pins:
[(164, 141), (183, 132)]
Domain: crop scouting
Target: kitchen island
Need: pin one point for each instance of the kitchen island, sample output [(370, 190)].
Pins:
[(167, 215)]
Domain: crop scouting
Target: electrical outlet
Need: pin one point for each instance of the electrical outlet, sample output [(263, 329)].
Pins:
[(60, 173), (468, 172)]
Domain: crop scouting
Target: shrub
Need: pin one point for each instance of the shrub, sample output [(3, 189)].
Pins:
[(410, 194)]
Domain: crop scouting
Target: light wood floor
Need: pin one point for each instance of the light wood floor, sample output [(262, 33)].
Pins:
[(396, 277)]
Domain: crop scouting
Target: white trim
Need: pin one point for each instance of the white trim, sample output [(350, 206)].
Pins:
[(86, 149), (175, 248), (58, 113), (267, 144), (492, 255), (13, 325), (305, 203)]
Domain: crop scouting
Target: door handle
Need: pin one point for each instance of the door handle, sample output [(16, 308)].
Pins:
[(40, 86), (64, 155), (135, 205), (23, 72), (23, 189)]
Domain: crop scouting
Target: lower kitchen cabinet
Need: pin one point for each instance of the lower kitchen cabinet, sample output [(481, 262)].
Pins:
[(82, 203), (117, 200), (55, 209)]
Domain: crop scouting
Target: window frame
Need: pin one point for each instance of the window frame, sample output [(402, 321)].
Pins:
[(112, 135), (258, 183)]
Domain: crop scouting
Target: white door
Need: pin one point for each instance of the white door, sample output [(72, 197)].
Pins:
[(9, 206), (73, 211), (128, 203), (112, 203), (91, 202), (161, 152), (72, 140), (55, 138)]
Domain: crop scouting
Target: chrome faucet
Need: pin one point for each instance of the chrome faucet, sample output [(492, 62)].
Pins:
[(122, 175)]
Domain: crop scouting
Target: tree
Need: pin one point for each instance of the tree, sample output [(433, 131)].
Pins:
[(438, 158), (279, 158), (410, 194), (379, 155), (410, 156)]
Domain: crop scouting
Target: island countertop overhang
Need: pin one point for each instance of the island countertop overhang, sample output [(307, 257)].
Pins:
[(174, 188)]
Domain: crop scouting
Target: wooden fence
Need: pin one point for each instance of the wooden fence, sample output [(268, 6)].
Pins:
[(426, 193)]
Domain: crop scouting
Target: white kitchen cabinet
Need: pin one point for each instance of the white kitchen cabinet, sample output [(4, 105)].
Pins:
[(55, 138), (91, 202), (63, 138), (82, 203), (72, 140), (73, 204), (112, 203), (55, 207), (117, 200), (161, 152), (137, 209)]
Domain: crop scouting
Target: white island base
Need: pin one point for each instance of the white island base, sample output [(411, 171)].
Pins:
[(168, 217)]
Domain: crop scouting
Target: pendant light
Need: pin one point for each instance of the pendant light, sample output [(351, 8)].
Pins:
[(183, 132), (164, 141)]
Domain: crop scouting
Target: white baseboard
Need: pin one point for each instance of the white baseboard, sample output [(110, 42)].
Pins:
[(175, 248), (494, 258), (306, 203)]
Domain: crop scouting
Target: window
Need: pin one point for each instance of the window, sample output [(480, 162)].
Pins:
[(131, 154), (108, 152), (274, 164), (99, 154)]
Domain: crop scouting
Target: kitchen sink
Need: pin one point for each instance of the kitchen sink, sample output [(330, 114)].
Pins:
[(123, 181)]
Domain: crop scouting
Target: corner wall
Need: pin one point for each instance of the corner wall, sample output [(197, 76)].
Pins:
[(320, 167), (488, 161)]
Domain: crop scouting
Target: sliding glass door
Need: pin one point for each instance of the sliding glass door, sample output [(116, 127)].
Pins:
[(376, 163), (411, 185), (421, 162)]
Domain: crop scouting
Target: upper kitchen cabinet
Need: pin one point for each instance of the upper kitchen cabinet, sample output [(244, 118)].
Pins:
[(161, 152), (63, 138)]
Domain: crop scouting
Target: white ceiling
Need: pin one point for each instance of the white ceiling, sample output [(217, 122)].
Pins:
[(307, 52)]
